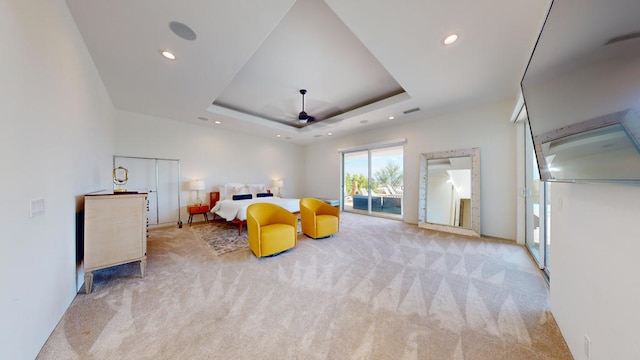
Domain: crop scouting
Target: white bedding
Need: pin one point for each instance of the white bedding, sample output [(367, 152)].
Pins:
[(237, 209)]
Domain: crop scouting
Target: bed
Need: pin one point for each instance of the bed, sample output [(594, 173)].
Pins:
[(232, 200)]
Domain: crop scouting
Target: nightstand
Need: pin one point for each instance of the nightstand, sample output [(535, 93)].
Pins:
[(198, 209)]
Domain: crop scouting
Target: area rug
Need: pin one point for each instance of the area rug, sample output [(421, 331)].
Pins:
[(222, 237)]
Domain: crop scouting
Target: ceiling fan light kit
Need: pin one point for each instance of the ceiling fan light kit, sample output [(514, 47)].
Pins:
[(303, 117)]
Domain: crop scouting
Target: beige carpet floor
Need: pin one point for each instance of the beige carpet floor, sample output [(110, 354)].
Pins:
[(380, 289)]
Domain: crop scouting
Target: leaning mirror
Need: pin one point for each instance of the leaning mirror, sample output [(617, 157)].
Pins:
[(581, 92), (450, 191)]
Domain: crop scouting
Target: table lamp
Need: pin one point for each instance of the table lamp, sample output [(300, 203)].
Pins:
[(277, 184), (197, 185)]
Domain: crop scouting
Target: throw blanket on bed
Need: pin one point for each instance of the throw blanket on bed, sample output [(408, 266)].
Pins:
[(237, 209)]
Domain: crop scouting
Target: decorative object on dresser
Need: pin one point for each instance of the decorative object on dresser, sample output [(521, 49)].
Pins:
[(197, 185), (196, 210), (120, 178), (115, 231)]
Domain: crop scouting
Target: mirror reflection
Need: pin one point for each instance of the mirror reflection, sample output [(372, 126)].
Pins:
[(605, 152), (581, 92), (449, 191)]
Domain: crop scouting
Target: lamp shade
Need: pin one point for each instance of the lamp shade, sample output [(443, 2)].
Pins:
[(196, 185), (277, 183)]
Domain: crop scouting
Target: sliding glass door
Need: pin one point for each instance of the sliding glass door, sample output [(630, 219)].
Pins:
[(538, 207), (373, 181), (356, 180)]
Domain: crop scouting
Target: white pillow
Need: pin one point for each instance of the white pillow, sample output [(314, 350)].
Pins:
[(257, 188), (231, 189)]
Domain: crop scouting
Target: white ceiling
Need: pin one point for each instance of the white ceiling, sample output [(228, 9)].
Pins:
[(361, 63)]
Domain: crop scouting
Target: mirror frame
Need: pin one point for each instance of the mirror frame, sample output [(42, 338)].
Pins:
[(474, 153)]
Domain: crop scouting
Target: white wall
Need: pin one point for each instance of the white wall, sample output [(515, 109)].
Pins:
[(595, 272), (55, 144), (210, 153), (486, 127)]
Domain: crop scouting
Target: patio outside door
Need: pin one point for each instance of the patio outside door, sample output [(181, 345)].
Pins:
[(373, 181), (538, 207)]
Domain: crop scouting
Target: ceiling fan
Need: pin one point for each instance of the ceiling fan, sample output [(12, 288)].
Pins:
[(303, 117)]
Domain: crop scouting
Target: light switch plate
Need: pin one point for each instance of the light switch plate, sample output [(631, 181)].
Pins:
[(37, 207)]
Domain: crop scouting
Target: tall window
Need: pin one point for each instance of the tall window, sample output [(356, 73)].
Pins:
[(373, 180)]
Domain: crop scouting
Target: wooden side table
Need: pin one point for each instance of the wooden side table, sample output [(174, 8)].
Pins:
[(198, 209)]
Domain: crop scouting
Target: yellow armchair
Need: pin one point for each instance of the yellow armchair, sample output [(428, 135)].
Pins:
[(271, 229), (318, 218)]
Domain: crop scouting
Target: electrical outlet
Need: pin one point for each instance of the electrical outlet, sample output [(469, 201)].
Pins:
[(587, 346), (37, 207)]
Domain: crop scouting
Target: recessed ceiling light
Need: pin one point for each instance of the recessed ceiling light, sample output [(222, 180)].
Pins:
[(168, 54), (329, 134), (391, 117), (218, 122), (278, 135), (450, 39)]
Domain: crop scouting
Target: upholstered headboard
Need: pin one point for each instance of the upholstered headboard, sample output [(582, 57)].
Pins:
[(228, 190), (215, 196)]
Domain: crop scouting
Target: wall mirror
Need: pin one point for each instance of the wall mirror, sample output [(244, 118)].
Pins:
[(581, 92), (450, 191)]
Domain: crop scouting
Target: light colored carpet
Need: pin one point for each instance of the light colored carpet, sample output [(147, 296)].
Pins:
[(380, 289)]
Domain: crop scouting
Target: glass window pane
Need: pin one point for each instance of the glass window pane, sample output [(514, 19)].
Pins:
[(356, 170), (386, 184), (373, 181), (532, 199)]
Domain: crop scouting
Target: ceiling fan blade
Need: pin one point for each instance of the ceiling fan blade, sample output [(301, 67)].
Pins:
[(310, 118)]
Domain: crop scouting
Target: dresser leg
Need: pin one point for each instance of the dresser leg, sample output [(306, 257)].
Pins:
[(88, 282), (143, 267)]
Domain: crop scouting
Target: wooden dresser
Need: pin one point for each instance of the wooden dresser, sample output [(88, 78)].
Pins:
[(115, 231)]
